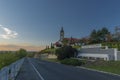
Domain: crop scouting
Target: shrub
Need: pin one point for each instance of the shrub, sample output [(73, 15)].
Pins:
[(21, 53), (65, 52), (74, 62)]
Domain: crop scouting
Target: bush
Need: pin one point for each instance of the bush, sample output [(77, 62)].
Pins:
[(74, 62), (21, 53), (112, 44), (65, 52)]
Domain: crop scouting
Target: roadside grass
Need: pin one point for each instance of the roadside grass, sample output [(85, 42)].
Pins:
[(72, 61), (7, 58), (107, 66)]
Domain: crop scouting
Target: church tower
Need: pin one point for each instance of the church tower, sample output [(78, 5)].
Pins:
[(61, 34)]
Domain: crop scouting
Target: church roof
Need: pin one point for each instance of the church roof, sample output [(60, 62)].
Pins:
[(57, 43)]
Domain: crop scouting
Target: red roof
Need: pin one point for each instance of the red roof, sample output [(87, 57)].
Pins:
[(57, 43)]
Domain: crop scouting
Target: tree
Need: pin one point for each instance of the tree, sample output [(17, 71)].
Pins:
[(52, 45), (93, 36), (21, 53), (65, 41), (7, 58), (65, 52), (104, 33), (100, 35)]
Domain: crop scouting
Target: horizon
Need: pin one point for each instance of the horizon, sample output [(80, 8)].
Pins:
[(34, 24)]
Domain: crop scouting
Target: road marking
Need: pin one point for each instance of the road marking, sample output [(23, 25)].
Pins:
[(37, 71)]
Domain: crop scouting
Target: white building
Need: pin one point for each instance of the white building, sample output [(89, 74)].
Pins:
[(98, 52)]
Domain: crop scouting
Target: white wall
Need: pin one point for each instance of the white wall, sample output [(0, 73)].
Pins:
[(98, 52)]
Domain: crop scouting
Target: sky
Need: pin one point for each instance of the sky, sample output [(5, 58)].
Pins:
[(33, 24)]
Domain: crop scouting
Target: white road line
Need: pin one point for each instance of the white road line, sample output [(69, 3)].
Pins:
[(37, 71)]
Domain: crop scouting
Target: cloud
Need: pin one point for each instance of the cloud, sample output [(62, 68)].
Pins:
[(8, 33)]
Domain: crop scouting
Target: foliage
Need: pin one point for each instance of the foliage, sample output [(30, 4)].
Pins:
[(108, 66), (65, 41), (65, 52), (7, 58), (93, 36), (50, 50), (52, 46), (21, 53), (74, 62), (76, 47), (99, 36), (112, 44)]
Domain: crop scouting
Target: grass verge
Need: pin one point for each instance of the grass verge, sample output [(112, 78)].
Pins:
[(73, 62), (107, 66)]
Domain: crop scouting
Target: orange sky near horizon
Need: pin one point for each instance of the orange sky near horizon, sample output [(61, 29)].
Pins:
[(8, 47)]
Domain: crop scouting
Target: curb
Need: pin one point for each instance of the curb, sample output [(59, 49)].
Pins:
[(98, 71)]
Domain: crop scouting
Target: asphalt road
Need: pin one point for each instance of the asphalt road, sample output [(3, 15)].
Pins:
[(34, 69)]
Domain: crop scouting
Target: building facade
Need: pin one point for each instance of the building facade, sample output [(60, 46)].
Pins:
[(98, 52)]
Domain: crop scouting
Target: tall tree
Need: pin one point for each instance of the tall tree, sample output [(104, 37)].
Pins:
[(104, 34), (93, 36), (99, 36), (52, 45)]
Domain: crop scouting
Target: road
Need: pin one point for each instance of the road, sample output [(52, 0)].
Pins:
[(34, 69)]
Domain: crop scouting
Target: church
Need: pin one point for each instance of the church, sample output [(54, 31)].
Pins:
[(66, 41)]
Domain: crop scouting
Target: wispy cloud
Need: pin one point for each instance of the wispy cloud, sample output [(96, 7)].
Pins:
[(8, 33)]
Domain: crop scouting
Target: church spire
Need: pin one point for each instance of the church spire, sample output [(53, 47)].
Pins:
[(61, 34), (62, 29)]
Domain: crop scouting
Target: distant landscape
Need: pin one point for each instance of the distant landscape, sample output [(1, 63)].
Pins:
[(8, 57)]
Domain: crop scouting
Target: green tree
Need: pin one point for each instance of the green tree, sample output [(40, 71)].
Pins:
[(104, 33), (65, 52), (65, 41), (21, 53), (7, 58), (100, 35), (52, 45), (93, 36)]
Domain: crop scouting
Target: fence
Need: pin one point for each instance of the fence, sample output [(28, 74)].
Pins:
[(11, 71)]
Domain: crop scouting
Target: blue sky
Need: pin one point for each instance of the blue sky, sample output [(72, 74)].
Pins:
[(37, 22)]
